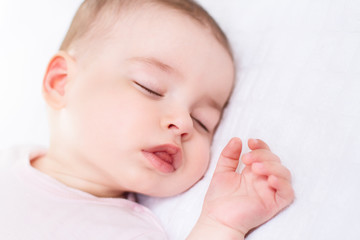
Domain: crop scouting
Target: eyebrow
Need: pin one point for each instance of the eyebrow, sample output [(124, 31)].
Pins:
[(168, 69), (154, 62)]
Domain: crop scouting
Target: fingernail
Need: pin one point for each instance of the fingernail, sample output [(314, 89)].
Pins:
[(253, 139)]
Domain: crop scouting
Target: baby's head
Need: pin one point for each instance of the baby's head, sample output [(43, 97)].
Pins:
[(135, 95)]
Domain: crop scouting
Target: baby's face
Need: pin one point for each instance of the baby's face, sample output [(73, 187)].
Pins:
[(143, 105)]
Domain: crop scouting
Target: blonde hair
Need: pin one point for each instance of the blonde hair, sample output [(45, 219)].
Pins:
[(106, 12)]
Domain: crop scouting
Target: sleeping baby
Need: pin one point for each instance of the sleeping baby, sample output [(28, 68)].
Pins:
[(134, 96)]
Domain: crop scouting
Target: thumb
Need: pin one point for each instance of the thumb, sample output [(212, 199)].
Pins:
[(229, 157)]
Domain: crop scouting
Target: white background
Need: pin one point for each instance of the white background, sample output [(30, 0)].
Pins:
[(298, 88), (31, 32)]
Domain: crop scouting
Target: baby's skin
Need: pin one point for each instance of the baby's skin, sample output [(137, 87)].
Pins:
[(116, 102), (238, 202)]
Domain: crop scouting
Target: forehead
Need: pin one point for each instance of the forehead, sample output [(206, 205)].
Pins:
[(176, 43)]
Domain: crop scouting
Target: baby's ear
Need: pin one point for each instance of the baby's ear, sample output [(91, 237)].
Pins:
[(57, 76)]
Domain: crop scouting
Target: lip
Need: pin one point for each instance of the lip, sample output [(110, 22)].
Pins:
[(165, 158)]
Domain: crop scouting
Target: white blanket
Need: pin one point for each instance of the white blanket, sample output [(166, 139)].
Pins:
[(298, 88)]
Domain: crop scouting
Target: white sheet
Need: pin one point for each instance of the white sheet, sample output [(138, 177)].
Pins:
[(298, 89)]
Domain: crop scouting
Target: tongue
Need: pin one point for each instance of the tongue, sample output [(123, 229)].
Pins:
[(164, 156)]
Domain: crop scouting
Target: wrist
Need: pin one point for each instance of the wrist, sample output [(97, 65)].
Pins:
[(209, 228)]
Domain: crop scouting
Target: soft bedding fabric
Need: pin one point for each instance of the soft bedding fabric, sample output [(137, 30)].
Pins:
[(298, 88)]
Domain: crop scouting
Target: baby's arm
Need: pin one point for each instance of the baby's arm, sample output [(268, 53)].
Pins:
[(237, 202)]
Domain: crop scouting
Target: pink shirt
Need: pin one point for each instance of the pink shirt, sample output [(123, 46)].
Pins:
[(35, 206)]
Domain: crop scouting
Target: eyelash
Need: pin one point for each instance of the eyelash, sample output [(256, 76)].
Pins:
[(160, 95), (149, 90), (201, 124)]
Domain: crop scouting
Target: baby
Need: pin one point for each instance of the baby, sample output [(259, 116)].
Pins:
[(134, 97)]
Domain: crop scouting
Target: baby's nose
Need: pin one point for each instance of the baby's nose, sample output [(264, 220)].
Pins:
[(180, 124)]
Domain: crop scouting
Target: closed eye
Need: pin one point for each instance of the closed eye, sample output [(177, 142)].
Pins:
[(201, 124), (149, 90)]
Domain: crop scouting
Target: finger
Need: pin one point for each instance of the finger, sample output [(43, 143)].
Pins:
[(257, 144), (284, 192), (229, 158), (271, 168), (259, 155)]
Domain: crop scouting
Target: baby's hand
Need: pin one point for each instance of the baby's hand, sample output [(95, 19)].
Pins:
[(239, 202)]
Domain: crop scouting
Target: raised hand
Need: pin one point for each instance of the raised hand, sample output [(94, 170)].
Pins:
[(242, 201)]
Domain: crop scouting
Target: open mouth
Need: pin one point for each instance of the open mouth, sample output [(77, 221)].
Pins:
[(165, 158)]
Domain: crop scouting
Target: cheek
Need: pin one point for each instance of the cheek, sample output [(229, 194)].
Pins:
[(200, 157), (109, 119), (98, 118)]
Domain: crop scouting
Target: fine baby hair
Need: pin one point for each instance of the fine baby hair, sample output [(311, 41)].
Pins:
[(97, 16)]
